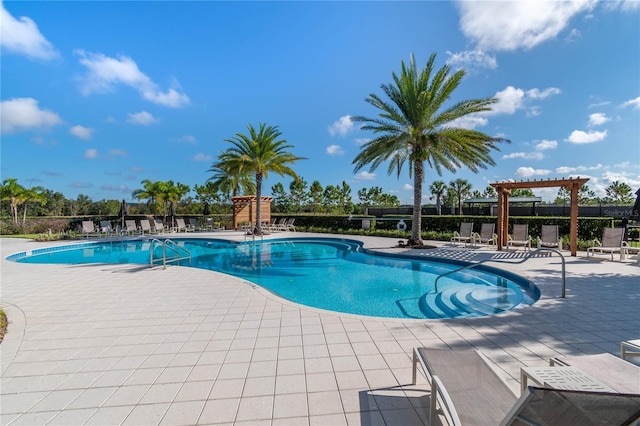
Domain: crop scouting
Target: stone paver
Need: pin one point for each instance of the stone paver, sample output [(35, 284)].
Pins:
[(125, 344)]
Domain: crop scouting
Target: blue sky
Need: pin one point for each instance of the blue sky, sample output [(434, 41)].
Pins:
[(97, 96)]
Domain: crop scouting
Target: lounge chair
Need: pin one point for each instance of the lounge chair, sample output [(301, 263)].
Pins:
[(288, 225), (279, 225), (487, 235), (474, 393), (550, 237), (193, 225), (465, 235), (618, 374), (612, 242), (106, 228), (88, 229), (131, 228), (159, 226), (180, 226), (145, 226), (630, 348), (520, 237)]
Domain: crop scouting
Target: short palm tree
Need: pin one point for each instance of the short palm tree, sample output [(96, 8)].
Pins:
[(437, 189), (260, 152), (461, 188), (414, 126), (229, 181)]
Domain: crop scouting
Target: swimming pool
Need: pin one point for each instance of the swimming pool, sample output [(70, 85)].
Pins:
[(327, 273)]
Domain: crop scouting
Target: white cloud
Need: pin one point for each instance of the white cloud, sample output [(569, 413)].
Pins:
[(117, 153), (581, 137), (22, 36), (91, 154), (24, 114), (527, 172), (143, 118), (341, 126), (335, 150), (542, 94), (407, 187), (598, 119), (472, 60), (624, 5), (525, 155), (578, 169), (105, 72), (543, 145), (81, 185), (635, 103), (514, 25), (600, 104), (365, 176), (470, 121), (361, 141), (82, 132), (202, 157), (509, 100), (185, 139)]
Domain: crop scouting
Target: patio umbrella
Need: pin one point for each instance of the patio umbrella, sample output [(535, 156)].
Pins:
[(124, 211), (205, 211), (635, 213), (172, 214)]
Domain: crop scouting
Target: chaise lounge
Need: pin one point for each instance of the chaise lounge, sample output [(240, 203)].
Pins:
[(612, 242), (465, 235)]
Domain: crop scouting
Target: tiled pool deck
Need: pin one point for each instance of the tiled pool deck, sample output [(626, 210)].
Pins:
[(126, 344)]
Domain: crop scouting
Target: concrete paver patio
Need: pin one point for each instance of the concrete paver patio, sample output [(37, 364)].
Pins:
[(126, 344)]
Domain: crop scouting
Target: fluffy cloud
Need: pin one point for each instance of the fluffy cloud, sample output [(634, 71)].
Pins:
[(543, 94), (202, 157), (544, 145), (581, 137), (22, 36), (91, 154), (82, 132), (341, 126), (24, 114), (525, 155), (142, 118), (407, 187), (598, 119), (185, 139), (335, 150), (517, 24), (579, 169), (361, 141), (470, 121), (527, 172), (104, 73), (635, 103), (472, 60), (365, 176)]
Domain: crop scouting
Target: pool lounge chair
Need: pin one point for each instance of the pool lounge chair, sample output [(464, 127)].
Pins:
[(181, 226), (106, 228), (464, 387), (465, 235), (158, 226), (550, 237), (520, 237), (88, 229), (612, 242), (145, 226), (629, 348), (487, 235), (131, 228)]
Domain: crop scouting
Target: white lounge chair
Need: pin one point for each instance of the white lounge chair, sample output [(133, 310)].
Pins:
[(487, 235), (88, 229), (180, 226), (131, 228), (520, 237), (288, 225), (465, 235), (145, 226), (612, 242), (630, 348), (158, 226), (550, 237), (106, 228)]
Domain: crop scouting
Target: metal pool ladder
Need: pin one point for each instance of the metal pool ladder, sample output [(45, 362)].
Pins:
[(176, 252), (524, 259)]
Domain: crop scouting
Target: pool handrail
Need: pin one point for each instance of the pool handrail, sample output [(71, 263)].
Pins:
[(172, 246), (524, 259)]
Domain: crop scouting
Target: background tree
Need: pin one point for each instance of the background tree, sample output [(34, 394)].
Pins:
[(281, 199), (460, 188), (489, 192), (619, 192), (316, 196), (12, 191), (261, 152), (437, 189), (416, 127), (298, 188), (151, 192), (230, 178)]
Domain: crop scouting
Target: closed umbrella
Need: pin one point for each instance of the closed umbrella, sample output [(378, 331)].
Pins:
[(124, 211), (172, 214), (205, 211), (635, 214)]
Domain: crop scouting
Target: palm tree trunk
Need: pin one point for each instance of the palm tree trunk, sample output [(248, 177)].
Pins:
[(258, 227), (416, 223)]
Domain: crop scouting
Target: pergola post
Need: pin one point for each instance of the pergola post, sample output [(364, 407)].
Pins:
[(573, 223), (503, 217)]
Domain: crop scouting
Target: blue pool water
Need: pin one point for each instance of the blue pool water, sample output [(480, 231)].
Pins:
[(331, 274)]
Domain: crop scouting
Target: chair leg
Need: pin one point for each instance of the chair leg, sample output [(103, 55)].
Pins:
[(415, 366)]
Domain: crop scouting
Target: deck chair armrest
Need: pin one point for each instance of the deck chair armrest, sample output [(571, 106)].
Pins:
[(456, 234)]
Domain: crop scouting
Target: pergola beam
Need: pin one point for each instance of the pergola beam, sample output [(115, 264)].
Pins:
[(504, 189)]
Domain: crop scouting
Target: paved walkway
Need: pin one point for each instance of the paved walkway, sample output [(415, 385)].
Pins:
[(124, 344)]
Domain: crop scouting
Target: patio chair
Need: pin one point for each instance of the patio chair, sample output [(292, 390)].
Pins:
[(158, 226), (145, 226), (180, 226), (474, 393), (612, 242), (630, 348), (550, 237), (620, 375), (106, 228), (487, 234), (88, 229), (546, 406), (193, 224), (131, 228), (279, 225), (288, 225), (520, 237), (465, 235)]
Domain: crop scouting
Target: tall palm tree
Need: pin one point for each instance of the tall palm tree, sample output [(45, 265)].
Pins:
[(461, 188), (260, 152), (150, 191), (437, 189), (229, 181), (12, 191), (35, 195), (414, 126)]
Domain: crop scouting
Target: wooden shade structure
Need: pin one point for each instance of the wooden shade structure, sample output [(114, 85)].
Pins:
[(504, 189), (244, 209)]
